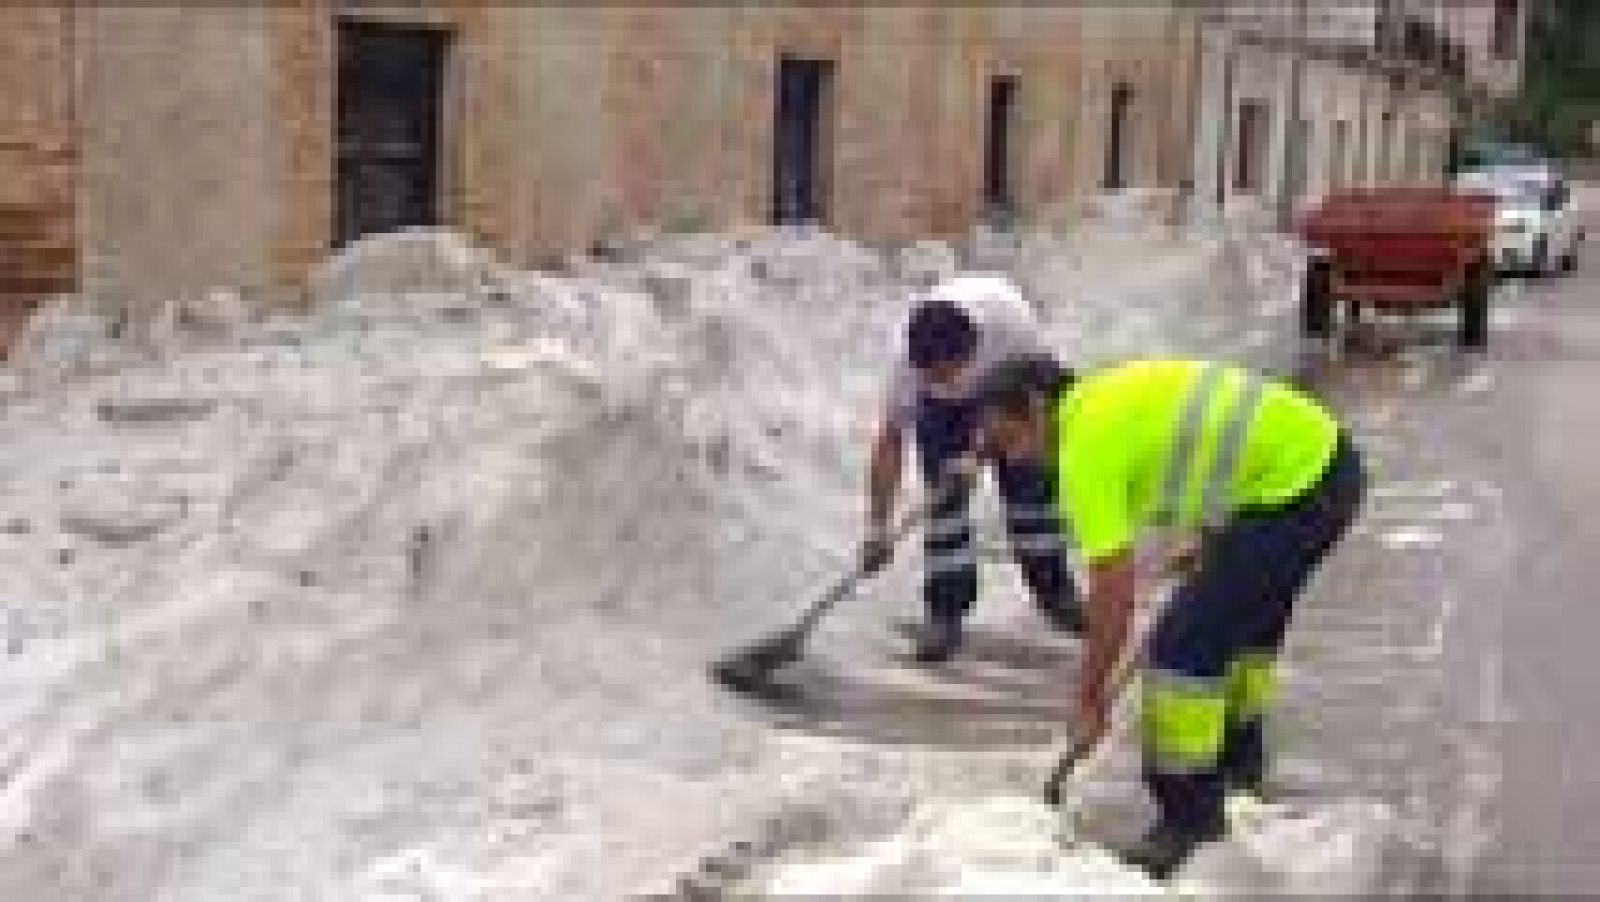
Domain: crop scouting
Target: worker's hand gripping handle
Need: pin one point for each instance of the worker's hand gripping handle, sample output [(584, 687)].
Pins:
[(877, 549), (1083, 745)]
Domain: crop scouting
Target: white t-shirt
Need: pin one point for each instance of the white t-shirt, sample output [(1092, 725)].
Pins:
[(1006, 328)]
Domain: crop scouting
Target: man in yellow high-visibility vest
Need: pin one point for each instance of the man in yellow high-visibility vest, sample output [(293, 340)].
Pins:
[(1268, 482)]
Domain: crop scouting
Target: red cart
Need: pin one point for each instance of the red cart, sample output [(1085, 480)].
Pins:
[(1400, 250)]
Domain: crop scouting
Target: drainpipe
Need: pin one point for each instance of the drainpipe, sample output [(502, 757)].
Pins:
[(73, 109), (1225, 131), (1187, 187), (1363, 129), (1295, 134)]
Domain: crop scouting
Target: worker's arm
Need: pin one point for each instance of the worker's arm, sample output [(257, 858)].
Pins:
[(883, 475), (1092, 483), (1108, 615), (883, 484)]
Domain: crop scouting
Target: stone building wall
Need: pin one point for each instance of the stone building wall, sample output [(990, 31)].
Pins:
[(39, 246), (206, 132)]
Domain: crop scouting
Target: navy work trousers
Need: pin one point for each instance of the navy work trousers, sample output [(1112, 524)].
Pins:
[(944, 431), (1235, 611)]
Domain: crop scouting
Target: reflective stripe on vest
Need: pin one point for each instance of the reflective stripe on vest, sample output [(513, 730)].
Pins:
[(1229, 451)]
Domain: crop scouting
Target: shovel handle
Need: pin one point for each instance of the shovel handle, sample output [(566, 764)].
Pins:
[(1068, 763), (842, 589), (1082, 746)]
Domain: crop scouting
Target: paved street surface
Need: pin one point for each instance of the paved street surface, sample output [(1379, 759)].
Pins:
[(1448, 652), (1538, 427), (1480, 542)]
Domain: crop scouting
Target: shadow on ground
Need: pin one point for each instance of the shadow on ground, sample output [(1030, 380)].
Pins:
[(1005, 689)]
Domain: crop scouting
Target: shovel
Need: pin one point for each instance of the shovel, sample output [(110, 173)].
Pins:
[(1127, 664), (748, 671)]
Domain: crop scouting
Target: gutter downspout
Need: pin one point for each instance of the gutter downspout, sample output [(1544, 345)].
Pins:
[(1294, 132), (1188, 184), (1225, 130)]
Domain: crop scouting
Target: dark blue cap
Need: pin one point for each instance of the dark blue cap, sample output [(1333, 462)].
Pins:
[(940, 332), (1011, 384)]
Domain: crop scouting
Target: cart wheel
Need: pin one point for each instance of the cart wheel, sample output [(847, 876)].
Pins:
[(1475, 308), (1316, 298)]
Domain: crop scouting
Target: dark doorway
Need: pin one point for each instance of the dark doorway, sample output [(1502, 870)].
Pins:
[(1117, 138), (997, 147), (390, 103), (800, 123), (1250, 152)]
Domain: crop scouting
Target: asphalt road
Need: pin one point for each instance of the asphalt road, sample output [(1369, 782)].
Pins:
[(1539, 427), (1480, 543)]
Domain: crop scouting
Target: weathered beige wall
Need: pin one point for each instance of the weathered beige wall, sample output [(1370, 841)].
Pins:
[(1472, 22), (38, 161), (208, 128), (593, 119), (36, 135), (35, 70), (301, 149), (1332, 95), (178, 193), (1135, 44), (566, 121)]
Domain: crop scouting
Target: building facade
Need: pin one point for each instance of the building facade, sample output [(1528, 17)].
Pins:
[(154, 152), (1302, 98)]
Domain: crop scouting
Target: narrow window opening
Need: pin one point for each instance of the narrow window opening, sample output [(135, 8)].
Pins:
[(1117, 143), (998, 195), (1251, 150), (800, 124)]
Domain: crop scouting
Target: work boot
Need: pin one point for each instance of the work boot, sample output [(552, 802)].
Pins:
[(1251, 783), (1254, 787), (1244, 761), (1168, 846), (938, 640)]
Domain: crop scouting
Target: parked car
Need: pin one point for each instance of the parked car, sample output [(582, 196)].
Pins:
[(1537, 232)]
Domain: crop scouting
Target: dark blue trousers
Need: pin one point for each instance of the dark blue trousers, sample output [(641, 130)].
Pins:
[(944, 431), (1236, 610)]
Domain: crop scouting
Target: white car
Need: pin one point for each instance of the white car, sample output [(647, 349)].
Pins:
[(1536, 228)]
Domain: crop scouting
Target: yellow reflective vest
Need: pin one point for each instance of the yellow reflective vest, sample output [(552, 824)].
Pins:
[(1181, 444)]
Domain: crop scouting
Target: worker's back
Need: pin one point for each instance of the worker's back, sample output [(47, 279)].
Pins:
[(1123, 428)]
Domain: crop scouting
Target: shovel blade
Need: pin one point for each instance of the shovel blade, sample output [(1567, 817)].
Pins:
[(750, 670)]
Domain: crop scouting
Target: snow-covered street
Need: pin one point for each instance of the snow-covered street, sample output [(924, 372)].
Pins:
[(412, 598)]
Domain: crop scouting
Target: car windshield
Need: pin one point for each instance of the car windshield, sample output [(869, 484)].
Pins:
[(1494, 155)]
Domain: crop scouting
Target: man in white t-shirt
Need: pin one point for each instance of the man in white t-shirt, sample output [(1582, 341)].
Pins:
[(959, 330)]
